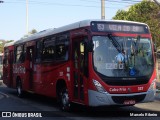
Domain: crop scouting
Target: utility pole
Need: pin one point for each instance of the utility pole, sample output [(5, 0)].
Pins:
[(27, 17), (102, 9)]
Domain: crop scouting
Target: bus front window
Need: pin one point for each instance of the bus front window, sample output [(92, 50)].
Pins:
[(122, 56)]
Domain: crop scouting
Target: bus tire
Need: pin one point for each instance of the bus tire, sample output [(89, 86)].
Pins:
[(19, 89), (64, 100)]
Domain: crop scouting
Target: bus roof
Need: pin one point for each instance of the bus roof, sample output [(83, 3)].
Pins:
[(72, 26)]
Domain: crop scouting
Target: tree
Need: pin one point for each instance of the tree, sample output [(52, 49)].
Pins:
[(33, 31), (8, 41), (2, 43), (146, 12)]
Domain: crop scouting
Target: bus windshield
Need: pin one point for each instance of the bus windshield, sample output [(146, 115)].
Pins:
[(117, 56)]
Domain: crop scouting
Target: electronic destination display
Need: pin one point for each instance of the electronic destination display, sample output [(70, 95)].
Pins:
[(119, 27)]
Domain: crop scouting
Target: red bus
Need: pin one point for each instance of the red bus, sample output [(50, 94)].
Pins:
[(91, 62)]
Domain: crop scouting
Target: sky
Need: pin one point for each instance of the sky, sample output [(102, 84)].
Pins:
[(45, 14)]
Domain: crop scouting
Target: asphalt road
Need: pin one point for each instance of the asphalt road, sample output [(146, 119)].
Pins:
[(47, 109)]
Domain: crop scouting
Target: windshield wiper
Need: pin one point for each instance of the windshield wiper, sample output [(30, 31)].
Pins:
[(137, 43), (115, 43)]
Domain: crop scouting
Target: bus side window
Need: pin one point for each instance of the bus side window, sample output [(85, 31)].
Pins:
[(82, 56), (62, 49), (48, 50), (5, 60), (62, 52), (38, 51), (20, 56)]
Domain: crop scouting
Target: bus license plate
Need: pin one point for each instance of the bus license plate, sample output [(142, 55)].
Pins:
[(129, 102)]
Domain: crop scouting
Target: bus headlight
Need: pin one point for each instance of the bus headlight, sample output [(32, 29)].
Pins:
[(99, 87), (153, 85)]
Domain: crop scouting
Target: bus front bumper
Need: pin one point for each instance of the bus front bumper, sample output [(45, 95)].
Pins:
[(103, 99)]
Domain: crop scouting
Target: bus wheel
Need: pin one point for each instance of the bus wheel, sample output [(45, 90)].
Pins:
[(64, 99), (19, 88)]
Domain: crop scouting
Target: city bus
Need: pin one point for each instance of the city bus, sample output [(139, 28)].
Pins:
[(91, 62)]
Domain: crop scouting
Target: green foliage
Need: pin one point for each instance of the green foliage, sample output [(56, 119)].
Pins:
[(33, 31), (8, 41), (121, 15), (146, 12), (2, 43)]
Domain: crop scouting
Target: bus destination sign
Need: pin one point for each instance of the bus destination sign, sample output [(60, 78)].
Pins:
[(118, 27)]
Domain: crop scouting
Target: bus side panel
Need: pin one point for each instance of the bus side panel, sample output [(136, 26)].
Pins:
[(46, 76)]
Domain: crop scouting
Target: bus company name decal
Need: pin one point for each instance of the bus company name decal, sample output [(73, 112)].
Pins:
[(19, 69), (118, 89)]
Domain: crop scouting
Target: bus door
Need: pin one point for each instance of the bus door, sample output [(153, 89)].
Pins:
[(79, 77), (29, 66)]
